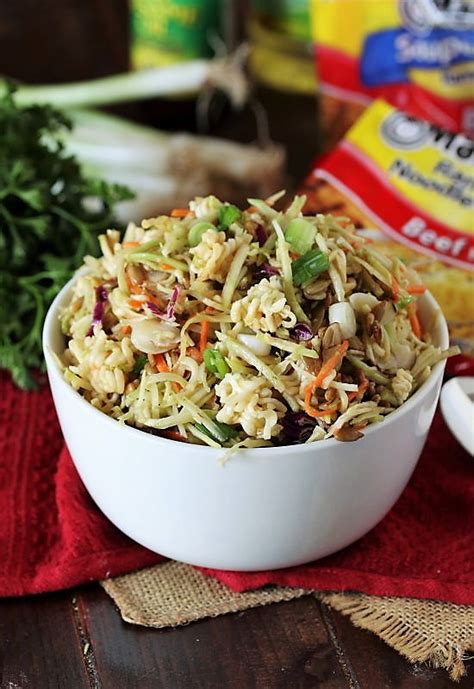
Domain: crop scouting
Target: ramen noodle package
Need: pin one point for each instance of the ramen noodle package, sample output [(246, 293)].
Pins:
[(416, 54), (410, 185)]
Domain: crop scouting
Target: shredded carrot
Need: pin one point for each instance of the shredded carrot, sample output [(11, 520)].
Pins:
[(182, 213), (416, 289), (326, 369), (130, 245), (162, 366), (173, 435), (139, 289), (209, 309), (251, 209), (204, 336), (194, 353), (331, 363), (312, 411), (360, 390), (309, 409), (395, 289), (133, 287), (135, 304), (364, 384), (166, 266), (414, 320), (316, 413), (126, 329)]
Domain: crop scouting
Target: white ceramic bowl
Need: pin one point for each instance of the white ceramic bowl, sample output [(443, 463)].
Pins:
[(267, 507)]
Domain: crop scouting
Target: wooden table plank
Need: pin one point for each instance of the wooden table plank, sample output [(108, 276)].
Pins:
[(377, 666), (40, 645), (55, 41), (61, 641), (300, 644), (275, 647)]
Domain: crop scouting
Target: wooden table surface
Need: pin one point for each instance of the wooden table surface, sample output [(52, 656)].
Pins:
[(76, 639)]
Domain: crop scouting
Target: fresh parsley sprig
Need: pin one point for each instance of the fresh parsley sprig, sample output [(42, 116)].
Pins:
[(50, 217)]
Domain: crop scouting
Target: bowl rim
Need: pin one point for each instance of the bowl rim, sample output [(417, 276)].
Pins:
[(52, 324)]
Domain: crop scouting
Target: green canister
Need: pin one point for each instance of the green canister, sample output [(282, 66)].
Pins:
[(282, 51), (167, 31)]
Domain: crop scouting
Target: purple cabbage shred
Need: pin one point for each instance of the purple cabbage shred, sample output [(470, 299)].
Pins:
[(261, 234), (171, 304), (297, 427), (101, 297), (155, 310), (266, 271), (302, 332)]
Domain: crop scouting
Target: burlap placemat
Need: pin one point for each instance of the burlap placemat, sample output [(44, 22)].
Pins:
[(424, 631), (174, 594)]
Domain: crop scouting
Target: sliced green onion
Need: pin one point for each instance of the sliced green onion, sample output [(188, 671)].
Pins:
[(197, 230), (203, 437), (173, 80), (308, 266), (215, 362), (405, 301), (227, 214), (300, 235), (226, 432), (140, 363)]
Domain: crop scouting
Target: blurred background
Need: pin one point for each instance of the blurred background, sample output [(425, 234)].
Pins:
[(51, 42), (236, 98)]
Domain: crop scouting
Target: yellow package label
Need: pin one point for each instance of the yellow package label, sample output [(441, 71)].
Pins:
[(412, 53), (431, 168)]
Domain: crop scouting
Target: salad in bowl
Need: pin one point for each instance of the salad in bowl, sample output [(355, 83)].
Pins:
[(260, 334), (246, 328)]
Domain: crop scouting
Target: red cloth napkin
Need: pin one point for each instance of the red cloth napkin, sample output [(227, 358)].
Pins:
[(52, 536)]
